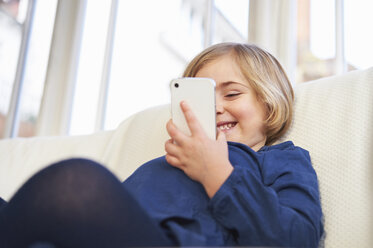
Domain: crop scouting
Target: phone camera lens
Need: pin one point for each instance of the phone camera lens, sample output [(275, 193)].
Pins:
[(176, 85)]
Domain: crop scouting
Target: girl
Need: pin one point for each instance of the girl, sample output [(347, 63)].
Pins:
[(239, 189)]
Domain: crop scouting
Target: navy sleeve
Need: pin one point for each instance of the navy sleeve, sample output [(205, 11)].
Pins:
[(2, 203), (274, 200)]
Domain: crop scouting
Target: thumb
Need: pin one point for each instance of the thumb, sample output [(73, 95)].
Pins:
[(221, 136)]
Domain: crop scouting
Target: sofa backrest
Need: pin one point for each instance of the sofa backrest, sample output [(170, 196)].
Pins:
[(333, 120)]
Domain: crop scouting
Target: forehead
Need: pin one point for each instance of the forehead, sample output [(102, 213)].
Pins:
[(223, 69), (222, 63)]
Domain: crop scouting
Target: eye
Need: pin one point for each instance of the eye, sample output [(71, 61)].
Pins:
[(232, 94)]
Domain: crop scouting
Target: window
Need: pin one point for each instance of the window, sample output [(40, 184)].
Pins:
[(151, 46), (11, 19), (130, 52), (90, 67), (237, 14), (358, 36), (320, 31), (316, 55), (34, 57), (148, 55)]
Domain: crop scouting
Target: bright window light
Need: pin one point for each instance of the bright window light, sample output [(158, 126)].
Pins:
[(90, 67), (322, 24), (237, 12), (358, 34)]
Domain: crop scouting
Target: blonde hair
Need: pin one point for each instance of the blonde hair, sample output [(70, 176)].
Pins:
[(266, 77)]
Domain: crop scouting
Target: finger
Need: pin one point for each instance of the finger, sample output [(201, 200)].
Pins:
[(171, 148), (169, 128), (192, 121), (173, 161), (175, 134)]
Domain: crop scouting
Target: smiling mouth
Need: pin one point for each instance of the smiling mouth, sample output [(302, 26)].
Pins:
[(226, 126)]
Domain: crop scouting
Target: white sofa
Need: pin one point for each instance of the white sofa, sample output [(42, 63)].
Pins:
[(333, 120)]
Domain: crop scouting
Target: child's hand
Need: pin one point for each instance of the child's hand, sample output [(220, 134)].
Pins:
[(202, 159)]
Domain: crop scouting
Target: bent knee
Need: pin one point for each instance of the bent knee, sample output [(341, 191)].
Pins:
[(73, 169), (76, 162)]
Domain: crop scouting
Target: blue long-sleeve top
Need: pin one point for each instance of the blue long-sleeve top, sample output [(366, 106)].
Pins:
[(270, 199)]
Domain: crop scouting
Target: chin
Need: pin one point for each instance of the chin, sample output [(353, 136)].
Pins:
[(232, 139)]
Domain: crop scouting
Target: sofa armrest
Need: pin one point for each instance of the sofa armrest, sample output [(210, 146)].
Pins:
[(22, 157)]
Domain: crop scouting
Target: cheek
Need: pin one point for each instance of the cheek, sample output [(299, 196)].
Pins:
[(250, 118), (246, 112)]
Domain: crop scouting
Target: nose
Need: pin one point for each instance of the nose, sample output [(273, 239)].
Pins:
[(219, 106)]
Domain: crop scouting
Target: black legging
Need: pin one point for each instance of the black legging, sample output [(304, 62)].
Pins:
[(76, 203)]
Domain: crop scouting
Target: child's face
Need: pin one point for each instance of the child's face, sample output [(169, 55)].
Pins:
[(238, 113)]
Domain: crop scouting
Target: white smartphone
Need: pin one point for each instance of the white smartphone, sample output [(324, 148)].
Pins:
[(199, 93)]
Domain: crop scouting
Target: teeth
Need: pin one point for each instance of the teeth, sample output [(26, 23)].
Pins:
[(226, 126)]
